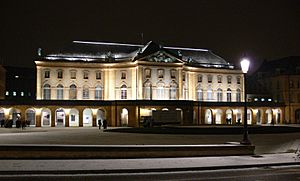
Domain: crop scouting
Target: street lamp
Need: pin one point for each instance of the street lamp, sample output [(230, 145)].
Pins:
[(245, 67)]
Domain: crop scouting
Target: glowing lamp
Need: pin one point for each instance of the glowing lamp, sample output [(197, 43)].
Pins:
[(245, 63)]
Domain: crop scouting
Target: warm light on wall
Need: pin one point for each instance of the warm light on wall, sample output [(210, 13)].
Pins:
[(38, 111), (145, 112), (6, 111)]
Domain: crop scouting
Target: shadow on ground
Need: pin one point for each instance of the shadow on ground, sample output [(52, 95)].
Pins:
[(208, 130)]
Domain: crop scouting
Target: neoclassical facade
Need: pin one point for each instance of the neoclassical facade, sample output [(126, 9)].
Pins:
[(125, 83)]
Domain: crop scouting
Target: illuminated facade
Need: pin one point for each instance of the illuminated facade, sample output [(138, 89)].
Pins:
[(126, 84)]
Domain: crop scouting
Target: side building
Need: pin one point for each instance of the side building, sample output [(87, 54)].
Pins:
[(2, 82), (127, 84)]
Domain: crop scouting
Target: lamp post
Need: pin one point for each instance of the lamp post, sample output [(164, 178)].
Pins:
[(245, 67)]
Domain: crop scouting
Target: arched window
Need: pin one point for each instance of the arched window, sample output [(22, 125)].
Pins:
[(60, 92), (47, 91), (219, 95), (85, 92), (238, 95), (73, 92), (173, 90), (123, 92), (209, 94), (160, 91), (99, 92), (228, 95), (199, 93), (148, 90)]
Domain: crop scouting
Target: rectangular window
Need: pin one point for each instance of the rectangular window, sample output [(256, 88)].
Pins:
[(60, 74), (219, 79), (160, 73), (229, 79), (173, 72), (7, 93), (85, 75), (73, 74), (47, 74), (199, 78), (123, 75), (183, 76), (238, 80), (148, 73), (98, 75), (209, 78)]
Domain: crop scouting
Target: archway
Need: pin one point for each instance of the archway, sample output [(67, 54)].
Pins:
[(87, 117), (124, 117), (277, 116), (100, 116), (74, 118), (60, 117), (229, 116), (30, 117), (14, 115), (297, 116), (249, 116), (218, 116), (269, 116), (46, 117), (208, 116), (238, 116), (258, 116)]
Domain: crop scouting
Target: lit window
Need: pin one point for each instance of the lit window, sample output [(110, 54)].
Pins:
[(269, 100), (98, 75), (14, 93), (123, 92), (123, 75), (16, 76), (262, 99), (255, 99), (209, 78), (99, 92), (7, 93), (22, 94), (47, 74), (160, 73)]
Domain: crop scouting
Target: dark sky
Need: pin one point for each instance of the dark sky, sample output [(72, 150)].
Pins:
[(259, 29)]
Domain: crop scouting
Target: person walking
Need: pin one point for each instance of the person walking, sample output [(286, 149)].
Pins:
[(99, 123)]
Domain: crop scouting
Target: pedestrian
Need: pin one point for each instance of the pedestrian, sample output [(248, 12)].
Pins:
[(2, 123), (104, 124), (99, 123)]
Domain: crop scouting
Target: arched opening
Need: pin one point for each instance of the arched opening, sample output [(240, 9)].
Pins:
[(85, 92), (218, 116), (160, 91), (259, 117), (87, 117), (99, 92), (100, 116), (60, 117), (73, 92), (60, 92), (199, 92), (123, 91), (228, 95), (124, 117), (74, 118), (238, 95), (209, 94), (47, 92), (219, 95), (30, 117), (277, 116), (238, 117), (173, 90), (46, 117), (297, 116), (269, 116), (208, 116), (14, 116), (148, 90), (249, 116), (228, 116)]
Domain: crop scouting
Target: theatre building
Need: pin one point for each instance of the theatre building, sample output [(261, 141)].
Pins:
[(128, 84)]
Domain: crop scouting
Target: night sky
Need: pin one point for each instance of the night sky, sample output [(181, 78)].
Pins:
[(231, 28)]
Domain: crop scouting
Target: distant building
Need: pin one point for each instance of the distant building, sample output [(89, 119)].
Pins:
[(129, 84), (2, 82), (281, 80)]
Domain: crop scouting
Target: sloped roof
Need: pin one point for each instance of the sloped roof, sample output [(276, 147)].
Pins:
[(286, 65), (108, 52)]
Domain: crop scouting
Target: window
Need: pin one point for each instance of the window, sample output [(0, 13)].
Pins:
[(228, 95), (85, 75), (219, 95), (219, 79), (148, 90), (199, 93), (209, 94), (60, 92), (73, 92), (228, 79), (98, 75), (173, 90), (160, 73), (199, 78), (99, 92), (47, 74), (238, 80), (7, 93), (238, 95), (123, 92), (123, 75), (183, 76), (172, 73), (59, 74), (85, 92), (73, 74), (160, 91), (148, 73), (47, 91), (14, 93), (209, 78)]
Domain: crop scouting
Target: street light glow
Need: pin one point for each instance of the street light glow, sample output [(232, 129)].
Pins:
[(245, 63)]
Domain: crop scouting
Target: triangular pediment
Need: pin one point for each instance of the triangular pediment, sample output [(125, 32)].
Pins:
[(161, 56)]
